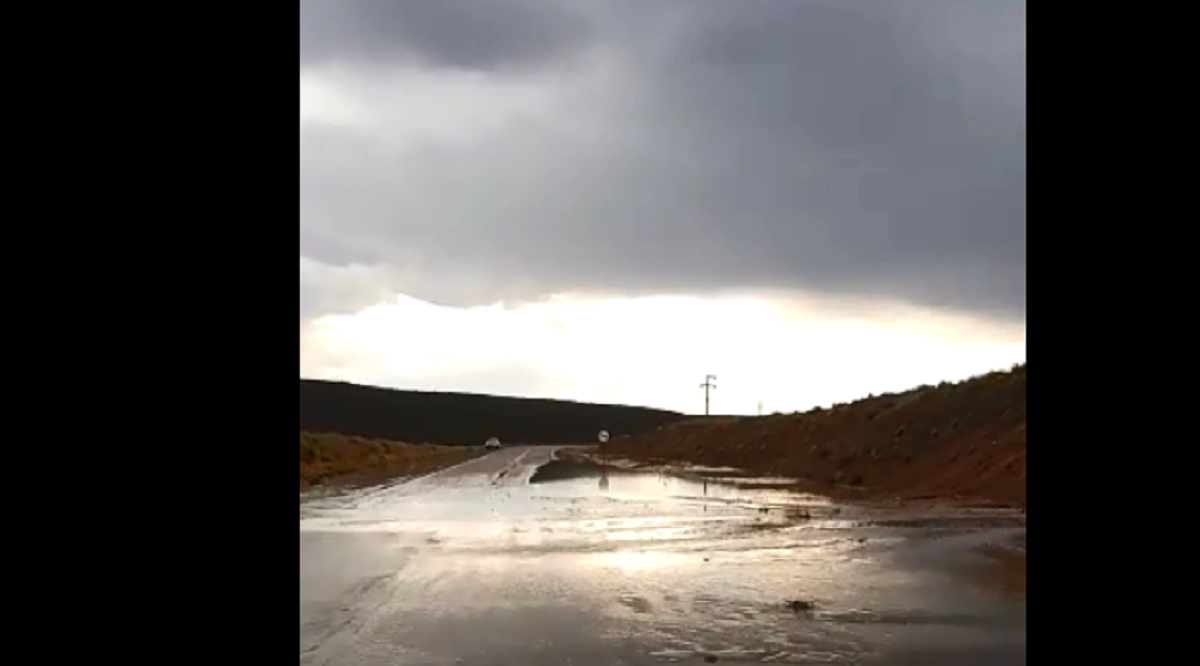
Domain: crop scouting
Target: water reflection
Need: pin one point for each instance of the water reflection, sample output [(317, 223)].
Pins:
[(669, 570)]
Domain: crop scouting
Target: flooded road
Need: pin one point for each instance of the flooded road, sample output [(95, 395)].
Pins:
[(478, 565)]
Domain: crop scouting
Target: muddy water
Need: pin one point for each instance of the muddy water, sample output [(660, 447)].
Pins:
[(477, 565)]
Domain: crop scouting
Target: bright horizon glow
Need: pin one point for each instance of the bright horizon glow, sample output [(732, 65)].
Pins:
[(792, 353)]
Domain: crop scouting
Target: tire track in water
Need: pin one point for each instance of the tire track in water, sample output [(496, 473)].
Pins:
[(509, 469)]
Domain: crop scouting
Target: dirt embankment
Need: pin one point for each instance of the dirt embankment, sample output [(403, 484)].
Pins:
[(963, 441), (337, 459)]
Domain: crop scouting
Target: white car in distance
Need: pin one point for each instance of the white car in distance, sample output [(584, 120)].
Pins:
[(492, 444)]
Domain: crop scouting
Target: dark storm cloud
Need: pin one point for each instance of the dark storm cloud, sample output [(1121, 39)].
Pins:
[(865, 152), (472, 34), (846, 146)]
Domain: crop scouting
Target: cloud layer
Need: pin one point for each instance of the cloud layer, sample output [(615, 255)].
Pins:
[(468, 151), (654, 351)]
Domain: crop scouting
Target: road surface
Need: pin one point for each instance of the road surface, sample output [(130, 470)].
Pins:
[(476, 565)]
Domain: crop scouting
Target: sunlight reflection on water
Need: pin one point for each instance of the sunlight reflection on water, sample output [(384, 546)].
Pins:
[(664, 562)]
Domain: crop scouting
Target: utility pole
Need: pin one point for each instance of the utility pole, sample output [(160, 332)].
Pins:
[(708, 385), (760, 407)]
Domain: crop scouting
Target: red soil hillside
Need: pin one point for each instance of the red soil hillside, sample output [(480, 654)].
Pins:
[(963, 440)]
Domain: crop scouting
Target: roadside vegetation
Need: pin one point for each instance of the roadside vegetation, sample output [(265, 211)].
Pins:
[(329, 459)]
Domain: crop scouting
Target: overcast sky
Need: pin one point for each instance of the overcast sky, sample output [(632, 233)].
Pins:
[(834, 178)]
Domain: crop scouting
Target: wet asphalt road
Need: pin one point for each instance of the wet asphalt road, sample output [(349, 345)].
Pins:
[(475, 565)]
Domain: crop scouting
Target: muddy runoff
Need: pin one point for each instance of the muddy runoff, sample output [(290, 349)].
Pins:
[(542, 556)]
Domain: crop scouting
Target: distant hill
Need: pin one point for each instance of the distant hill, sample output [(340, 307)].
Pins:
[(463, 418)]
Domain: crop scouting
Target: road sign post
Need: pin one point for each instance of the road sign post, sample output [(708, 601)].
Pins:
[(603, 437)]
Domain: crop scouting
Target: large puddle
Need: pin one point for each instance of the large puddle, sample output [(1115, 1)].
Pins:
[(654, 568)]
